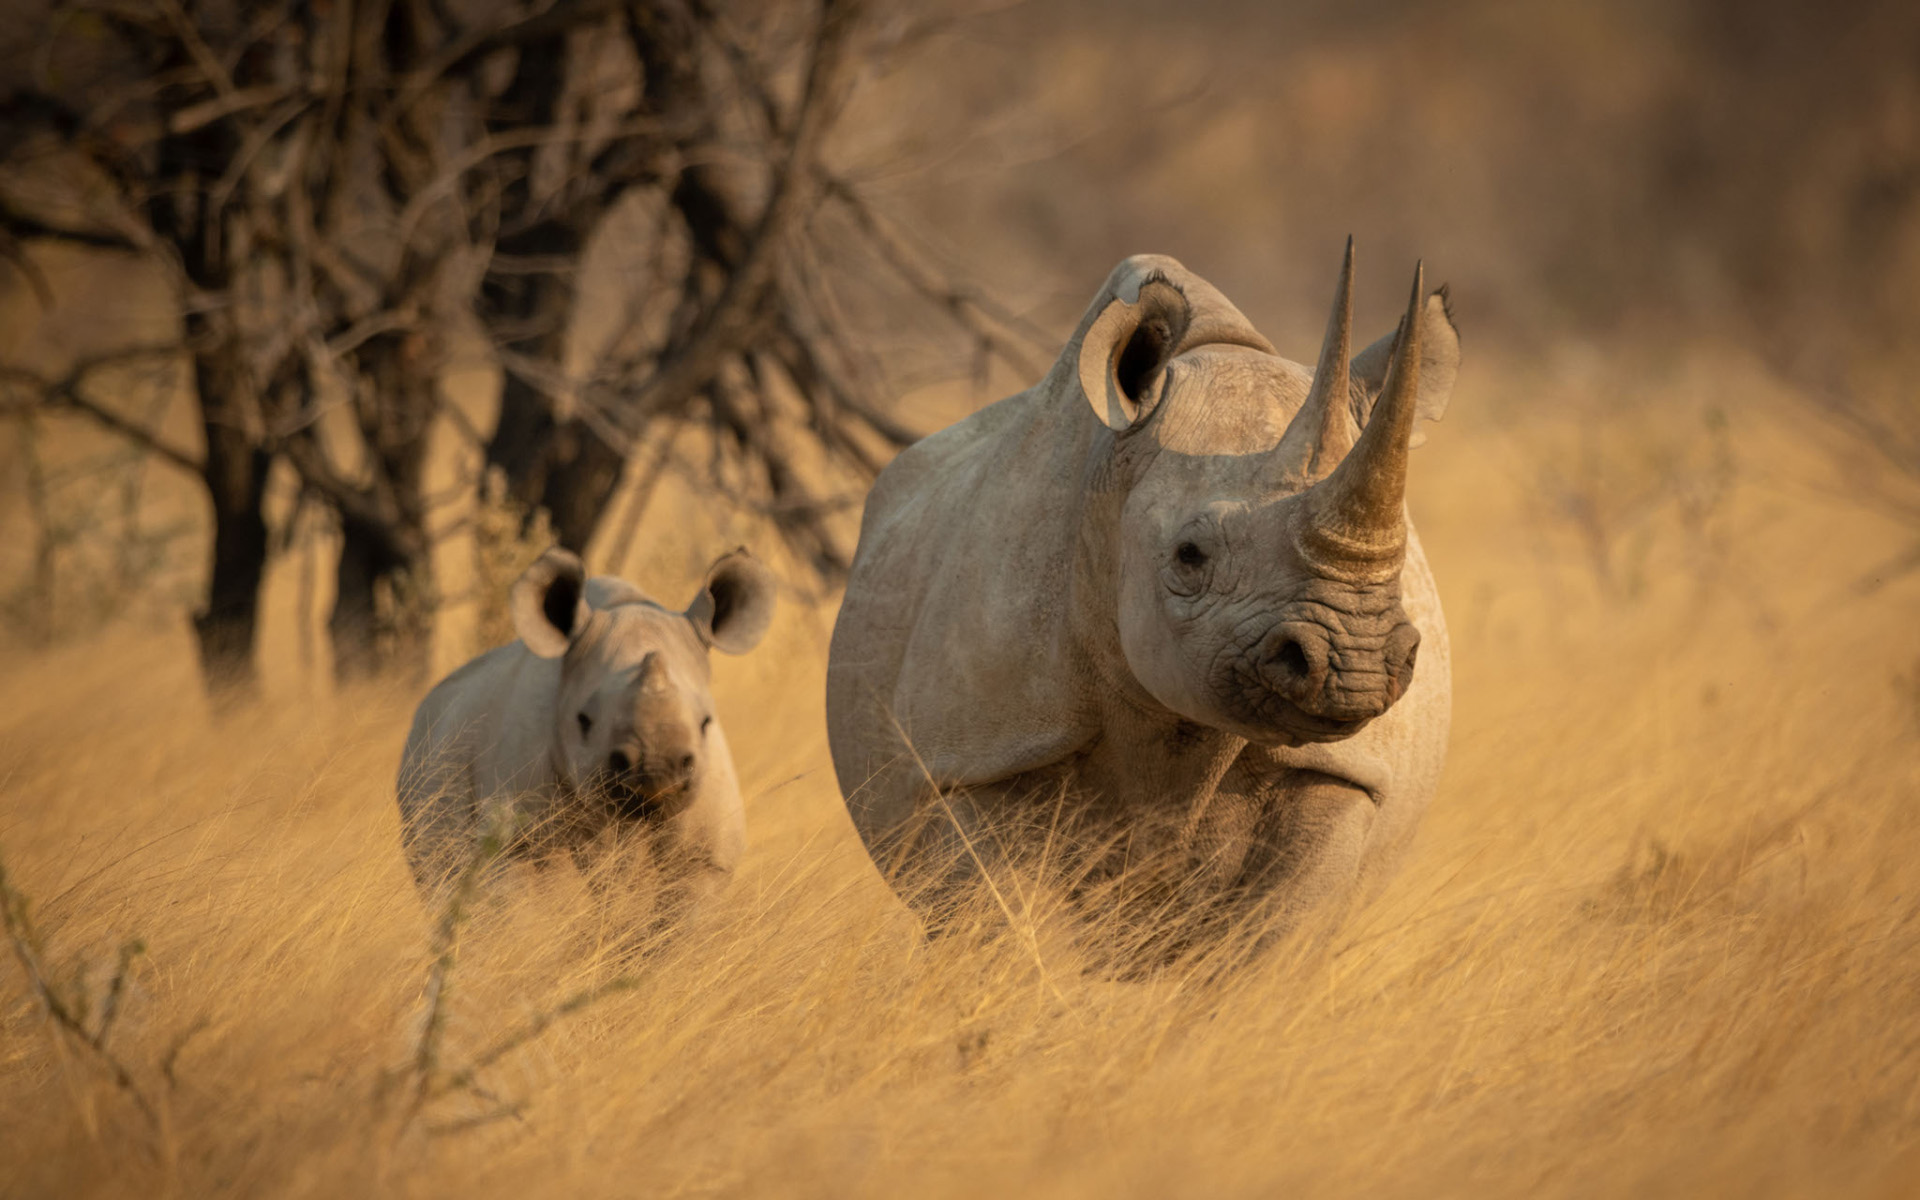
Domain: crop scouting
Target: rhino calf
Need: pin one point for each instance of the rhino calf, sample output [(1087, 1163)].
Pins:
[(598, 721)]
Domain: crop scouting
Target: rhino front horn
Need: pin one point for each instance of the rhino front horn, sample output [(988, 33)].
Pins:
[(1322, 432), (1355, 519)]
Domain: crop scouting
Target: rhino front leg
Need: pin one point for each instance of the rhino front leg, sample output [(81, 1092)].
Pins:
[(1297, 838), (940, 858)]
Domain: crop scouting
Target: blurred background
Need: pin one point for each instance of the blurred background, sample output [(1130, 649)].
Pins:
[(320, 318), (330, 315)]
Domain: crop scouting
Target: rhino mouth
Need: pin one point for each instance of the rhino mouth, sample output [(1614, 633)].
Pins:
[(633, 800), (1297, 727), (1266, 715)]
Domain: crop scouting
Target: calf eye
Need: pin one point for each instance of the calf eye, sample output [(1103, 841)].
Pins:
[(586, 724), (1191, 555)]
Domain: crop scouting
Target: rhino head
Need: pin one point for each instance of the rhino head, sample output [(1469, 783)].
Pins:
[(633, 719), (1259, 534)]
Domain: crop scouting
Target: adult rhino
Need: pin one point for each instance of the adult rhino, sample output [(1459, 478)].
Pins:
[(598, 721), (1174, 581)]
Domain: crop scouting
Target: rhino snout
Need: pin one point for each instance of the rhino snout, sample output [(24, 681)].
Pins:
[(1337, 677), (650, 783)]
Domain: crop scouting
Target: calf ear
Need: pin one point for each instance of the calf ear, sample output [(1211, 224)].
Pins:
[(1125, 350), (1439, 364), (735, 605), (548, 607)]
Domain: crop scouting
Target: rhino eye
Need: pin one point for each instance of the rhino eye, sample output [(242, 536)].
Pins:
[(586, 724), (1188, 573)]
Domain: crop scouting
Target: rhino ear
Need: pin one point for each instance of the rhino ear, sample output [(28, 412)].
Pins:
[(1124, 352), (547, 603), (735, 605), (1439, 364)]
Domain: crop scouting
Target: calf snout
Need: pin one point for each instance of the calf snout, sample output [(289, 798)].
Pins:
[(1339, 675), (651, 782)]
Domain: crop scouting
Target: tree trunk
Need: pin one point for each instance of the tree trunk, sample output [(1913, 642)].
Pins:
[(528, 313), (379, 622), (522, 438), (576, 496), (568, 469), (565, 469), (236, 477), (236, 466), (383, 601)]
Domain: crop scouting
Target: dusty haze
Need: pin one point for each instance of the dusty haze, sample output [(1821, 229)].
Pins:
[(1659, 934)]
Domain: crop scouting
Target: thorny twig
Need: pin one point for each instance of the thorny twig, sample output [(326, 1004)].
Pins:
[(464, 1078), (446, 937), (27, 950), (429, 1082)]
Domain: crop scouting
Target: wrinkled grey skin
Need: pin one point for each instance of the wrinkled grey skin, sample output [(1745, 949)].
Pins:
[(1144, 583), (601, 716)]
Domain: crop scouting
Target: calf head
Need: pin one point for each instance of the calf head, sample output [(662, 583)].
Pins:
[(633, 720), (1256, 538)]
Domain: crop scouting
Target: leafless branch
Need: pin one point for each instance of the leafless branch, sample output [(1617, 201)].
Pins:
[(26, 227), (66, 392), (970, 309), (228, 104), (318, 473), (442, 185), (727, 324)]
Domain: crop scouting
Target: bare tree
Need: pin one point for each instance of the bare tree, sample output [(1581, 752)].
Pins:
[(336, 189)]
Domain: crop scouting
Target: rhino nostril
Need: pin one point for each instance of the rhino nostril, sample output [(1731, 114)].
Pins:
[(1293, 658), (619, 763), (1403, 647)]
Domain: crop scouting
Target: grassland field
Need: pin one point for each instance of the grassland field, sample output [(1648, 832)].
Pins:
[(1660, 934)]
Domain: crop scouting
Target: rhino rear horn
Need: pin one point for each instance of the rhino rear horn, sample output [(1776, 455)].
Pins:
[(1124, 353), (1355, 522), (548, 603)]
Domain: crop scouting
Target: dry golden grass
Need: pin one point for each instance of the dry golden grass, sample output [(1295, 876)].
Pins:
[(1661, 933)]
